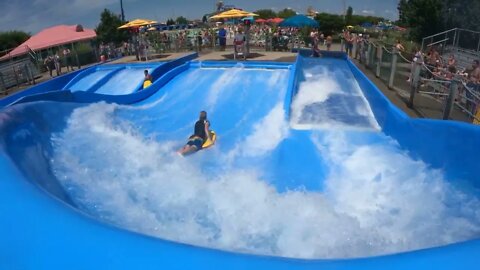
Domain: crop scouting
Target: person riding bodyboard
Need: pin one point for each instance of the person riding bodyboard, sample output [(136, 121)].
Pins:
[(202, 136)]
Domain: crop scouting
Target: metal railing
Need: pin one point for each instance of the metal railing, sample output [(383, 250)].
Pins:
[(17, 73), (456, 38), (451, 95)]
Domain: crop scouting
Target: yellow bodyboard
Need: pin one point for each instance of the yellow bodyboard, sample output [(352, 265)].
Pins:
[(208, 143), (146, 84)]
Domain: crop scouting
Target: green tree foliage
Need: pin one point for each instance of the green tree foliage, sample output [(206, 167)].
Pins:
[(461, 14), (402, 13), (11, 39), (428, 17), (286, 13), (330, 23), (425, 16), (348, 16), (170, 22), (265, 14), (181, 20), (107, 30)]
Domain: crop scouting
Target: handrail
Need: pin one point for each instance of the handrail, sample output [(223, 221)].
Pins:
[(437, 42)]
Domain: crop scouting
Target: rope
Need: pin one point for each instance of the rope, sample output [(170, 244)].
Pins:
[(431, 80), (433, 93), (385, 48), (466, 111), (405, 59), (474, 94)]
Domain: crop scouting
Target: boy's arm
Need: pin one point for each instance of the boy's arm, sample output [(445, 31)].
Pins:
[(207, 130)]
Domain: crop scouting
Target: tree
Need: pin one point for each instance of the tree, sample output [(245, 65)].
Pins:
[(402, 13), (348, 16), (286, 13), (11, 39), (265, 14), (330, 23), (181, 20), (170, 22), (424, 17), (107, 30)]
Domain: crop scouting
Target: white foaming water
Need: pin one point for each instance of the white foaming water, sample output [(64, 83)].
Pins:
[(124, 82), (88, 81), (377, 200), (348, 108), (268, 133)]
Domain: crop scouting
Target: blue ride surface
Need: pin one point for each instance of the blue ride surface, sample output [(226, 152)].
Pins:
[(313, 169)]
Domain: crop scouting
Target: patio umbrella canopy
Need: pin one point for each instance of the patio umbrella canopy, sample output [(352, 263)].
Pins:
[(260, 21), (233, 13), (299, 21), (275, 20), (137, 23)]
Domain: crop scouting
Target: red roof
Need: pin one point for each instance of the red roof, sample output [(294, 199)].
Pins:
[(53, 36)]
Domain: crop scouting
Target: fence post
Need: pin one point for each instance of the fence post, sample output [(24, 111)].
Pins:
[(16, 75), (32, 75), (27, 74), (415, 80), (393, 69), (450, 99), (379, 61), (367, 58), (3, 87)]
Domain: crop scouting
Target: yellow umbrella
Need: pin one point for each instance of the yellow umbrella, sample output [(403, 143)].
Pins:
[(137, 23), (233, 13)]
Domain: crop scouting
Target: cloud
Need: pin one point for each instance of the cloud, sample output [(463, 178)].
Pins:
[(39, 14), (368, 12)]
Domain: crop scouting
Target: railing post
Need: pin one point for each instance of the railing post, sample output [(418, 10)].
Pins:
[(342, 45), (32, 75), (393, 69), (379, 61), (369, 54), (415, 80), (27, 74), (450, 99), (16, 75), (3, 87)]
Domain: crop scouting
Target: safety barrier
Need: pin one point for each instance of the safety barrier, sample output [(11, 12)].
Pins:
[(458, 100)]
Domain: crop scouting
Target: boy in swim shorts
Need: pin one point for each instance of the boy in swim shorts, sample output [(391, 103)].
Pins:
[(200, 135)]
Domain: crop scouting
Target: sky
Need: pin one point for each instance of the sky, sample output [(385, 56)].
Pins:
[(35, 15)]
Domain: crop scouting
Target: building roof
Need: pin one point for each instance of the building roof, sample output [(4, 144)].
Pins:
[(51, 37)]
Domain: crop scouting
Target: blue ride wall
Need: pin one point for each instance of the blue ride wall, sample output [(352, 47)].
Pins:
[(39, 232)]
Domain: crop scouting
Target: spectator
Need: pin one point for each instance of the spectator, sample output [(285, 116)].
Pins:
[(417, 60), (222, 38), (348, 43), (239, 42), (329, 42), (58, 65), (473, 85), (315, 49), (399, 47), (67, 59), (452, 61), (49, 64)]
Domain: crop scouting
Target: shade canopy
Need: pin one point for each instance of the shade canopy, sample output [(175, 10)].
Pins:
[(233, 13), (275, 20), (137, 23), (260, 21), (299, 21), (52, 37)]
